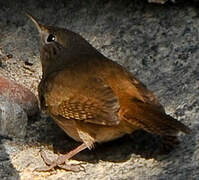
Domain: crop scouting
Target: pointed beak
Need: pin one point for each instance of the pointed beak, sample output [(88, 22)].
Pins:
[(35, 22)]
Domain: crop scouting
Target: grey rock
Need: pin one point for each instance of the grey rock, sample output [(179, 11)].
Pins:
[(19, 95), (13, 119), (158, 1)]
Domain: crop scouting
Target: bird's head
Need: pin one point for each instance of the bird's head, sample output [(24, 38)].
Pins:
[(58, 46)]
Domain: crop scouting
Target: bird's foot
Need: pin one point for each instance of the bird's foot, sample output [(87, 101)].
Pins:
[(61, 162)]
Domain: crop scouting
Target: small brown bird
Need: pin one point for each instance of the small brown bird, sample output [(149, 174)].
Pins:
[(92, 98)]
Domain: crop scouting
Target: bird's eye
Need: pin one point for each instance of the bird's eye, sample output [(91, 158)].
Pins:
[(51, 38)]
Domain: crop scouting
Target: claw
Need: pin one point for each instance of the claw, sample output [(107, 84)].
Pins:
[(50, 164), (45, 158), (82, 168)]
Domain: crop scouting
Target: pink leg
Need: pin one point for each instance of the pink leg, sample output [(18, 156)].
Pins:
[(61, 160)]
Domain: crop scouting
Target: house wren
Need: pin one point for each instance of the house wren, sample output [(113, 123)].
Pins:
[(92, 98)]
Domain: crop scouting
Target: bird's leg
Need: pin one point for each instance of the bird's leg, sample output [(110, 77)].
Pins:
[(62, 160)]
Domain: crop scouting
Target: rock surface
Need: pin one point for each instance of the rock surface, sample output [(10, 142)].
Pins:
[(159, 44), (16, 104), (13, 119), (18, 94)]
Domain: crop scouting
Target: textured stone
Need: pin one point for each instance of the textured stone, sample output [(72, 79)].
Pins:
[(13, 119), (157, 1), (18, 94)]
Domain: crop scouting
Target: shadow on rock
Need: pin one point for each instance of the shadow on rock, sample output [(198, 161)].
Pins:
[(7, 170), (183, 157), (139, 143)]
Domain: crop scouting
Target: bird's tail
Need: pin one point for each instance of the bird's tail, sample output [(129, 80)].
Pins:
[(174, 124), (151, 119), (156, 121)]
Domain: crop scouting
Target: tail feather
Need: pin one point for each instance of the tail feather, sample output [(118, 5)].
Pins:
[(164, 124), (149, 118), (177, 125)]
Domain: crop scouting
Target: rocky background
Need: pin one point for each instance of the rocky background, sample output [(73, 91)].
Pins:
[(157, 43)]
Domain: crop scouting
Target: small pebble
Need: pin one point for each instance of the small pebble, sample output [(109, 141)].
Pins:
[(9, 56)]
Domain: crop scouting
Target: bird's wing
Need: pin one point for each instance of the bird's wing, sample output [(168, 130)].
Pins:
[(89, 100), (123, 81), (144, 95)]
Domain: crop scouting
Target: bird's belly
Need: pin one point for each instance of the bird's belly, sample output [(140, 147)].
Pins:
[(103, 133), (99, 133), (68, 126), (107, 134)]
